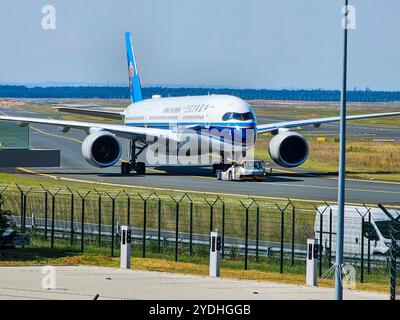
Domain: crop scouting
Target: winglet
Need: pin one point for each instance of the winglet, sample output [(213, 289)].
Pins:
[(134, 84)]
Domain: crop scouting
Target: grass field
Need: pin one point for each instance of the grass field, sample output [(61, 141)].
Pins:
[(365, 159), (308, 110)]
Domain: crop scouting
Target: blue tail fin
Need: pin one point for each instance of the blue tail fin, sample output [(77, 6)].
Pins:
[(134, 84)]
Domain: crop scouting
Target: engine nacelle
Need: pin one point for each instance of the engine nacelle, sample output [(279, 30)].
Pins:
[(288, 149), (101, 149)]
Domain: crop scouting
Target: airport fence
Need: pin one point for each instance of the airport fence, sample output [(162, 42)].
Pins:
[(394, 263), (255, 231)]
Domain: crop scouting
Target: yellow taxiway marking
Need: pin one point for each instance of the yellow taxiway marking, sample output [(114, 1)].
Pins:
[(56, 135), (79, 141), (283, 171), (203, 177), (372, 181)]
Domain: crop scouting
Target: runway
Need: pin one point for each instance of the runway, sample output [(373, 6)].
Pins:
[(295, 185)]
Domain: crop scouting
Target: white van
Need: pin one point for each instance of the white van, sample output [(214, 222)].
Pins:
[(379, 235)]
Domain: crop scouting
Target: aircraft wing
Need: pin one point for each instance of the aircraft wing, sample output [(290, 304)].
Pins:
[(127, 132), (92, 112), (318, 121)]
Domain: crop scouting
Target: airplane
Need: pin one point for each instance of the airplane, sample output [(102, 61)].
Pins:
[(170, 120)]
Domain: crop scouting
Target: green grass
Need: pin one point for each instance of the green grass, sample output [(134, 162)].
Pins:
[(365, 159), (307, 110)]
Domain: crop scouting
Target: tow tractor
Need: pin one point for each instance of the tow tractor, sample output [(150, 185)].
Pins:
[(243, 170)]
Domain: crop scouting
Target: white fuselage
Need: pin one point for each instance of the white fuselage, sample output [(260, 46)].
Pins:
[(200, 118)]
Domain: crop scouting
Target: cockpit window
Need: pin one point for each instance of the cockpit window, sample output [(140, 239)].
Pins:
[(238, 116)]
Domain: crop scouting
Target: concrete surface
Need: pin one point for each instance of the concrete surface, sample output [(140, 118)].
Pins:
[(83, 283)]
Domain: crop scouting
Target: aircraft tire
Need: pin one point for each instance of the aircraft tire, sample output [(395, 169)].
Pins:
[(125, 168), (141, 168)]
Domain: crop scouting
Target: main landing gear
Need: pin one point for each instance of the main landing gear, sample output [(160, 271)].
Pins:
[(222, 166), (134, 151)]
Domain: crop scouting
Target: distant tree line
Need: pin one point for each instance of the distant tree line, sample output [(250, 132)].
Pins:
[(110, 92)]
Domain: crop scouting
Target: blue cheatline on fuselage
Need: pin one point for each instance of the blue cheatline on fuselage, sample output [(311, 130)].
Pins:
[(238, 130)]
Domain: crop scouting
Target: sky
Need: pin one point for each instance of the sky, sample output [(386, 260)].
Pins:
[(213, 43)]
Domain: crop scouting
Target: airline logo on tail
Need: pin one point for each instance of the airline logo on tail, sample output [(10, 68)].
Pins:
[(134, 83), (131, 73)]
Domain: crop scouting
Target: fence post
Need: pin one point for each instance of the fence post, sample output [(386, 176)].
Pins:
[(362, 250), (257, 230), (128, 208), (190, 224), (211, 205), (24, 195), (158, 222), (24, 216), (321, 232), (21, 206), (113, 198), (177, 202), (1, 196), (393, 249), (99, 217), (362, 243), (330, 234), (223, 229), (293, 231), (53, 209), (83, 197), (144, 199), (369, 240), (246, 240), (72, 209), (283, 230), (394, 253), (46, 199)]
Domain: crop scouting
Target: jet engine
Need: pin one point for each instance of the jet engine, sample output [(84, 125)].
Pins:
[(101, 149), (288, 149)]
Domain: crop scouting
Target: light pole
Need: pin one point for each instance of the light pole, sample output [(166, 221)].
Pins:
[(342, 169)]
